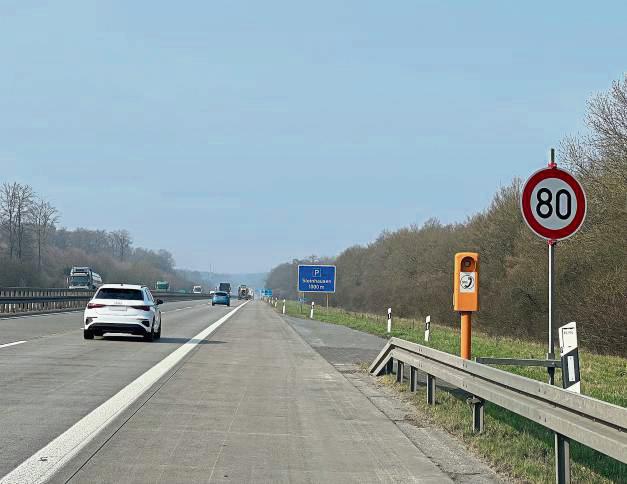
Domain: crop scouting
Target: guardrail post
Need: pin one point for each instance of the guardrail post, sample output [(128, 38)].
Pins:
[(389, 367), (477, 414), (430, 389), (413, 379), (562, 459), (399, 371)]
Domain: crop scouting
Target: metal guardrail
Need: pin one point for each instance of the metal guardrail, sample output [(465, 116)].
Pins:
[(16, 300), (597, 424), (32, 299)]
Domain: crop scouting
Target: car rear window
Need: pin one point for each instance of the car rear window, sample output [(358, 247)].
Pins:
[(115, 293), (219, 293)]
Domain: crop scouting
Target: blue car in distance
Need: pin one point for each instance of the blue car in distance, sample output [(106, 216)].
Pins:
[(221, 297)]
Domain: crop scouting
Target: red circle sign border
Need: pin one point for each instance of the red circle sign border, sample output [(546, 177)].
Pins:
[(580, 195)]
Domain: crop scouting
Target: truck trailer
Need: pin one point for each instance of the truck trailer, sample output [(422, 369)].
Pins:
[(83, 278)]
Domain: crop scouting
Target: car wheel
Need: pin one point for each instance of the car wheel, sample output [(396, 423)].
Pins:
[(150, 336), (213, 304), (88, 334), (228, 305), (158, 333)]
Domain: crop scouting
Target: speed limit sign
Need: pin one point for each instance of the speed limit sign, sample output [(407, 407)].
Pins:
[(553, 203)]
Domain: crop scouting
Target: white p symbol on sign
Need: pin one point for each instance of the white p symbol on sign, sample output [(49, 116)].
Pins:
[(316, 272)]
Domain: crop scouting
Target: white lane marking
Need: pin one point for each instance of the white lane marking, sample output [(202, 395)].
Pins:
[(44, 463), (180, 309), (12, 344)]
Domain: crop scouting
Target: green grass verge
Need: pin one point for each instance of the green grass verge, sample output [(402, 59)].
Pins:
[(512, 444)]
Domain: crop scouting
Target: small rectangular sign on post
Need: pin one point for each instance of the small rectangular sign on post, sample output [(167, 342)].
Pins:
[(571, 379), (316, 278)]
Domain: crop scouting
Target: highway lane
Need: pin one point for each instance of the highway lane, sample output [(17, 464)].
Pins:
[(56, 377), (29, 327), (258, 405)]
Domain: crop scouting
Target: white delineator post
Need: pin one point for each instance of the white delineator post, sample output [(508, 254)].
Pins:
[(312, 309), (283, 306), (389, 320), (427, 327)]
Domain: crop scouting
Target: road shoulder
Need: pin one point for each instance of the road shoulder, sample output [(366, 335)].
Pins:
[(349, 350)]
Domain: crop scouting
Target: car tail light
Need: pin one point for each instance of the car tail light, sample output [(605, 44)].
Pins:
[(141, 308), (95, 305)]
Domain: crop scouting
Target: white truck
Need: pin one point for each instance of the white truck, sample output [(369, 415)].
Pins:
[(83, 278)]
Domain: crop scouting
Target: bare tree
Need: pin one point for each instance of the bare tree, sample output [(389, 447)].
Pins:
[(25, 199), (122, 241), (44, 216), (16, 202), (7, 213)]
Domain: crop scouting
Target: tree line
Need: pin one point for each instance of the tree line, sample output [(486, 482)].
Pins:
[(34, 251), (411, 269)]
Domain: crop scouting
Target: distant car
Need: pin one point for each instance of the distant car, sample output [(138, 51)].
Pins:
[(221, 297), (123, 308), (211, 293)]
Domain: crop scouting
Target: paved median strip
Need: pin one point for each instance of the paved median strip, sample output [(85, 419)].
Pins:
[(12, 344), (44, 463)]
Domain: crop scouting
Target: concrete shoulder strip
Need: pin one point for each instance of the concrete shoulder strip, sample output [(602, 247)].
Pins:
[(44, 463)]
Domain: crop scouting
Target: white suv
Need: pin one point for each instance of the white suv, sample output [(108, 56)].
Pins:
[(123, 308)]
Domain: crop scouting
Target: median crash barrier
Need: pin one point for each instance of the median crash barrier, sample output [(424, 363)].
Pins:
[(16, 300)]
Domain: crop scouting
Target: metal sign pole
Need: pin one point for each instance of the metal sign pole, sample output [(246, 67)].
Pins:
[(562, 443), (551, 354)]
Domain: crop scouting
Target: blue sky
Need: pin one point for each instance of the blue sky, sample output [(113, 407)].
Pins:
[(242, 134)]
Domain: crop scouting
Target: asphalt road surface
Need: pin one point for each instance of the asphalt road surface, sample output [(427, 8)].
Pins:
[(221, 397)]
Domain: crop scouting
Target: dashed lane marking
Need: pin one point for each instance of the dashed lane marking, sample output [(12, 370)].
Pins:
[(12, 344)]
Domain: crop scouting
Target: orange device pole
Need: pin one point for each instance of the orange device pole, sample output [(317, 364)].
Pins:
[(466, 335)]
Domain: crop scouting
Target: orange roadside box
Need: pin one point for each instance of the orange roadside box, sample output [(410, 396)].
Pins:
[(466, 296), (466, 282)]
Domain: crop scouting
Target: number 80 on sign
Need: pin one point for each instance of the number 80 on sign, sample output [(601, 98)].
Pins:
[(553, 203)]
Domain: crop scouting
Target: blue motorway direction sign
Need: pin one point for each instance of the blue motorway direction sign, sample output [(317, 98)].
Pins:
[(319, 278), (266, 292)]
